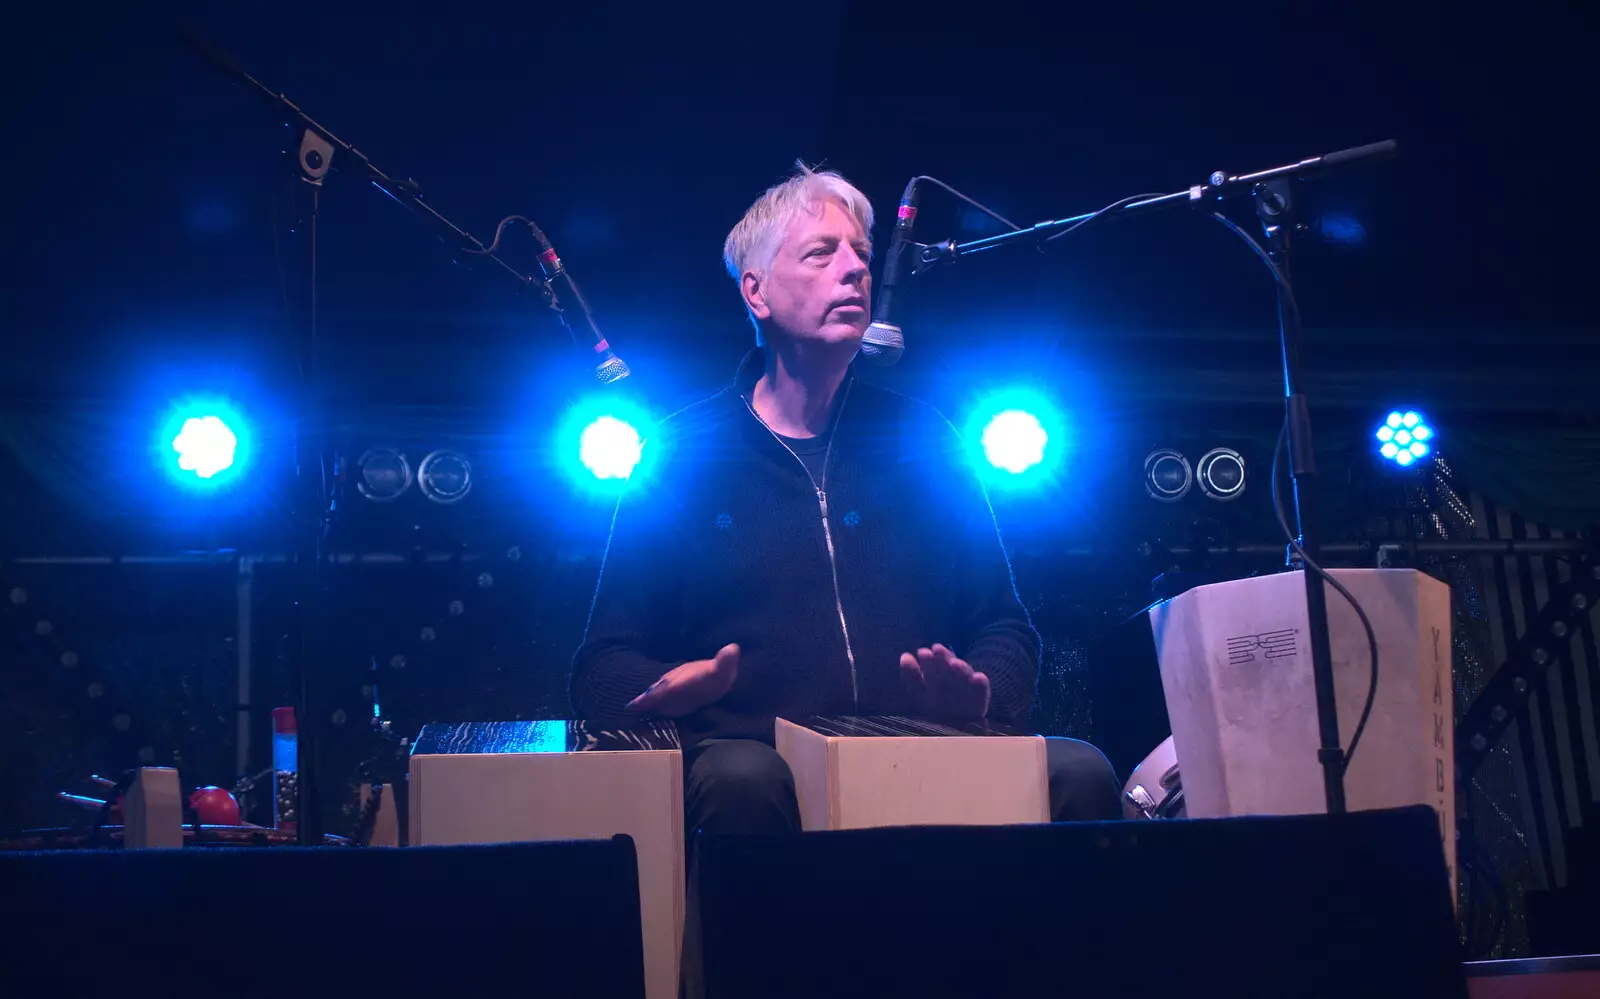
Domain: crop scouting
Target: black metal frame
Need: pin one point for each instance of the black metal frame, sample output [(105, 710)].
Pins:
[(1546, 641)]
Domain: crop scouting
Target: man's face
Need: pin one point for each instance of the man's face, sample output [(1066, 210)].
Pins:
[(818, 288)]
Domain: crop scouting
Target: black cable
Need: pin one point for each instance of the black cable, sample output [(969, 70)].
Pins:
[(982, 208), (1277, 497), (1109, 208), (1266, 258), (550, 297), (1311, 566), (499, 230)]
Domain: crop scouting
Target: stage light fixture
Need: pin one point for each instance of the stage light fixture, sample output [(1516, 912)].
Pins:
[(610, 447), (603, 443), (1167, 475), (445, 476), (205, 446), (203, 443), (1014, 441), (1016, 437), (1220, 472), (385, 475), (1404, 437)]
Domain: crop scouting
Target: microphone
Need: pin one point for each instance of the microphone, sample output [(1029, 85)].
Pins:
[(884, 342), (610, 368)]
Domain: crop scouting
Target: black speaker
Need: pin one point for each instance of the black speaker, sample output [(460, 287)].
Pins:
[(534, 918), (1287, 906)]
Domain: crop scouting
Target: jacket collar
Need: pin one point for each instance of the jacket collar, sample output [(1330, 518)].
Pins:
[(754, 365)]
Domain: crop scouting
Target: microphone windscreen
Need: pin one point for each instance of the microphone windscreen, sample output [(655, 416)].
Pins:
[(611, 369), (883, 343)]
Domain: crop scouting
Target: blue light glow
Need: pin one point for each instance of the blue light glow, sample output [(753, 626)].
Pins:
[(1343, 229), (203, 444), (602, 440), (1402, 437), (609, 447), (1014, 441), (1017, 437)]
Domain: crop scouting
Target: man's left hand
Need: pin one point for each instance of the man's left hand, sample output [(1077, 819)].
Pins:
[(944, 686)]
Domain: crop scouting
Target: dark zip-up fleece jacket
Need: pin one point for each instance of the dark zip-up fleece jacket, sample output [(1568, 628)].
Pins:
[(723, 536)]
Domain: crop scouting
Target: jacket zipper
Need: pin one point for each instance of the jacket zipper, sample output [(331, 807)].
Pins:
[(827, 531)]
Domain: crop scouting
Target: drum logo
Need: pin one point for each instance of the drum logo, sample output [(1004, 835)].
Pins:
[(1279, 644)]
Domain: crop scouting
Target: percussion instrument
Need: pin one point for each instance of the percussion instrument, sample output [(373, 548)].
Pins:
[(863, 771)]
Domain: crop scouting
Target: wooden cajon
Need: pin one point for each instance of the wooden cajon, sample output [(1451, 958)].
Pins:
[(860, 772), (499, 782), (1236, 670)]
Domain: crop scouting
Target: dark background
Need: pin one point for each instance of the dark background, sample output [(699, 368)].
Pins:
[(149, 256), (141, 202)]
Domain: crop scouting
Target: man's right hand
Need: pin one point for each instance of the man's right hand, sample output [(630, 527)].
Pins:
[(689, 687)]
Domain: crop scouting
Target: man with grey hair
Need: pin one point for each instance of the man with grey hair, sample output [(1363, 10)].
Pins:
[(806, 544)]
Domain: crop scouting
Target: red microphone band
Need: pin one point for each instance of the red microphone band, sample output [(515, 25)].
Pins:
[(907, 212), (601, 347), (549, 259)]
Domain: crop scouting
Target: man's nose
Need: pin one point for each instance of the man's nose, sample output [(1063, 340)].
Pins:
[(856, 267)]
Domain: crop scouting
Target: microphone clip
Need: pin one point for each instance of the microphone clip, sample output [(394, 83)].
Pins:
[(931, 255)]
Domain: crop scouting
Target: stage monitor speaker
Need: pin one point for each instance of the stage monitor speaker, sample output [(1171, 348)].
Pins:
[(1335, 906), (527, 918)]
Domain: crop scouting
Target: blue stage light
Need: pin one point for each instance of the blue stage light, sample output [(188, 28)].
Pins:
[(610, 447), (1014, 441), (1017, 437), (1404, 437), (203, 444), (602, 440)]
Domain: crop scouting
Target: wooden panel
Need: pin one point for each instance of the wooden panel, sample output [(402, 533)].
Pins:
[(884, 779), (940, 781), (511, 797), (808, 756)]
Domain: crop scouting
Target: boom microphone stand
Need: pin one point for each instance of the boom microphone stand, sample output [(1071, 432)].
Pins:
[(1218, 187), (316, 499), (1274, 205)]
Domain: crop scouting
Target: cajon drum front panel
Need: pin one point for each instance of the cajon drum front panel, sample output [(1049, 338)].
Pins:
[(527, 781), (1236, 667), (861, 772)]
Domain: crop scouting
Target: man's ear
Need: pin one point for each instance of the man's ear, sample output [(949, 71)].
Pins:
[(754, 299)]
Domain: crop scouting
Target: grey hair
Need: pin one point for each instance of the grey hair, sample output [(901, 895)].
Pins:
[(754, 242)]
